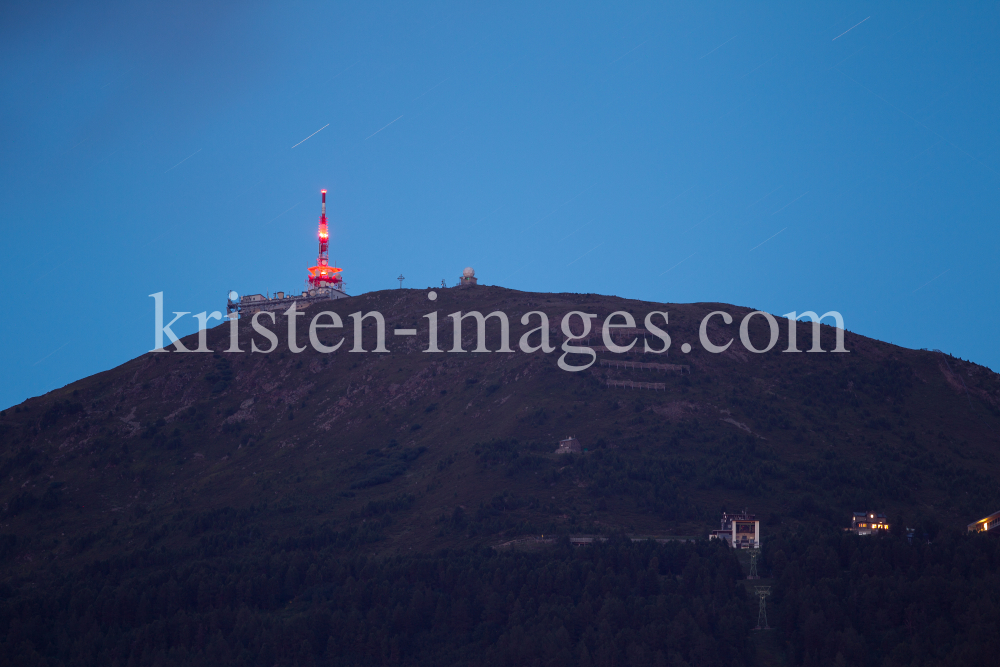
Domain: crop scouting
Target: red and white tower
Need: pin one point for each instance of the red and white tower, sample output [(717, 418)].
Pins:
[(324, 275)]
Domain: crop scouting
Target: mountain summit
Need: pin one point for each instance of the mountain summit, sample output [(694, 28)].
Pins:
[(179, 456)]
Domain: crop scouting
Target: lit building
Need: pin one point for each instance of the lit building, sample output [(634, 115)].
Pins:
[(992, 522), (741, 531), (866, 523)]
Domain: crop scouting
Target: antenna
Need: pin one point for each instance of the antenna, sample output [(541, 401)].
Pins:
[(762, 593), (401, 278), (324, 275)]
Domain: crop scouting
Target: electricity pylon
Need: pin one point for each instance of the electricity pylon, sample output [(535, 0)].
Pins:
[(762, 593), (753, 564)]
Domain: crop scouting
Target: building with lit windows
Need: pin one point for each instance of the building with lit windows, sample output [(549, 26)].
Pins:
[(866, 523), (992, 522)]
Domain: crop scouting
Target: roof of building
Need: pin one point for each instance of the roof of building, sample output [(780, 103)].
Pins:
[(985, 519)]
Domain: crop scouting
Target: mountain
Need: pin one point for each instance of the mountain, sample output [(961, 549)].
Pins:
[(221, 459)]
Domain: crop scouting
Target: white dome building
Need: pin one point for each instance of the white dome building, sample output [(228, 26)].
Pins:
[(468, 277)]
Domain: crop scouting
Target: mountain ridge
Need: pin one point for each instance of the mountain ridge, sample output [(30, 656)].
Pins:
[(739, 429), (349, 509)]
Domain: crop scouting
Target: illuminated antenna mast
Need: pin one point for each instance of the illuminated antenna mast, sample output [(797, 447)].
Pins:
[(324, 275)]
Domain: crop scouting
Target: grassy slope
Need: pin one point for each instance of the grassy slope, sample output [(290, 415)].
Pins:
[(413, 451)]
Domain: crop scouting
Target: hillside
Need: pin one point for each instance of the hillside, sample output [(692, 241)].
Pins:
[(407, 453)]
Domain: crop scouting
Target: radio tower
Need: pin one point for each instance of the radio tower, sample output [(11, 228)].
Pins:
[(323, 275)]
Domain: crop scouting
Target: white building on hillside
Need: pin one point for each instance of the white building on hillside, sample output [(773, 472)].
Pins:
[(741, 531)]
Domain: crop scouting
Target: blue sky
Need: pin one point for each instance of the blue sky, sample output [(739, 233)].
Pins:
[(790, 156)]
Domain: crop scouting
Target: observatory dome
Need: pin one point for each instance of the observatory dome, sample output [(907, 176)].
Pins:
[(469, 272)]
